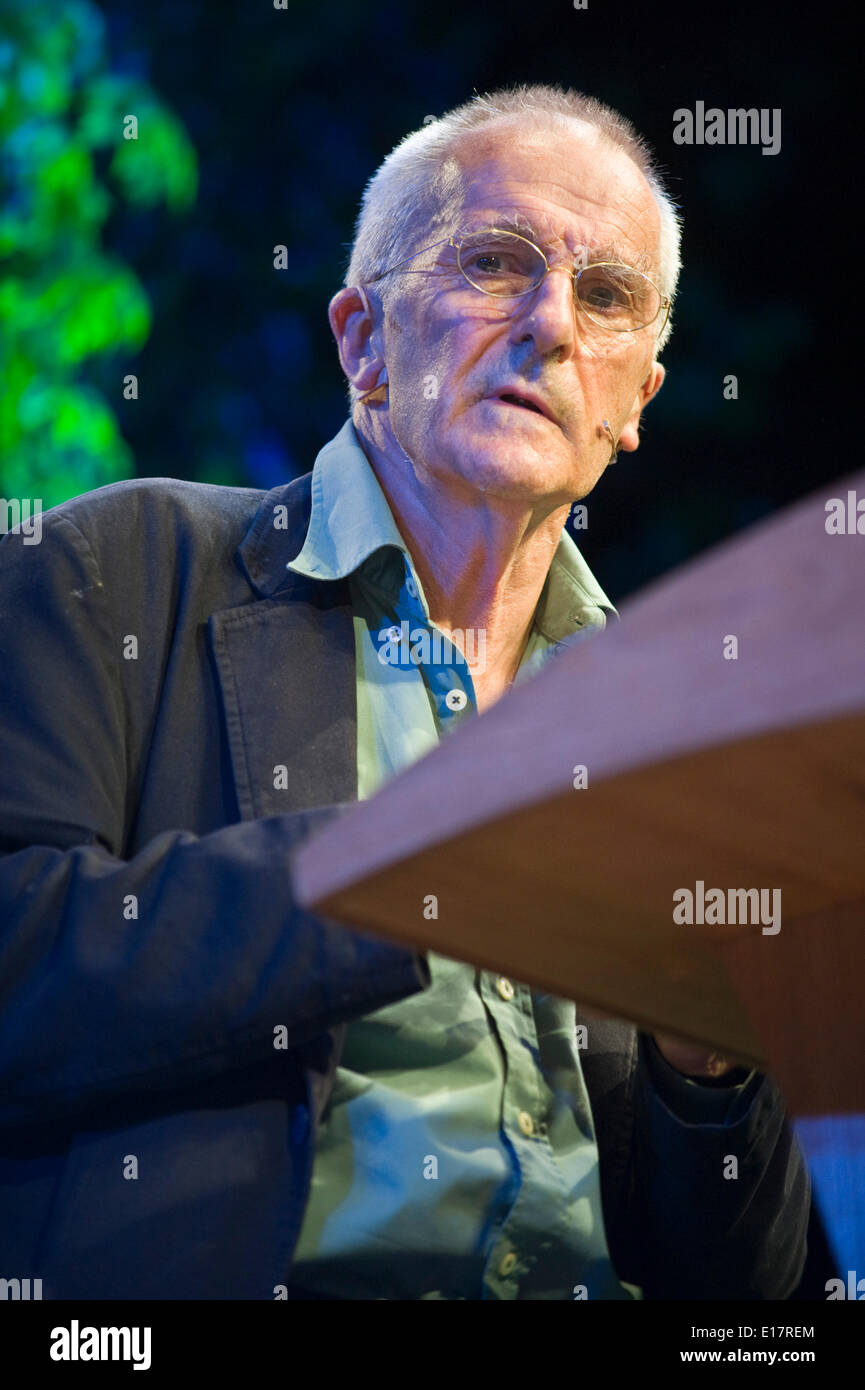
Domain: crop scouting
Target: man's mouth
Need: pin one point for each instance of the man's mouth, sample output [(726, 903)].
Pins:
[(532, 403), (519, 400)]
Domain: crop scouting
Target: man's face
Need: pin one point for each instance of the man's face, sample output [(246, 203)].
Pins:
[(450, 349)]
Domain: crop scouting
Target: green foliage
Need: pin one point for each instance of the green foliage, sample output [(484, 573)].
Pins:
[(63, 300)]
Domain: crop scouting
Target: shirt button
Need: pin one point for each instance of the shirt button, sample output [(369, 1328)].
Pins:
[(456, 699), (411, 587), (394, 634), (525, 1122), (507, 1264), (505, 988)]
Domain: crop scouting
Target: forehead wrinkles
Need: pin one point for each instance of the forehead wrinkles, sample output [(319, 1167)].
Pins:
[(605, 198)]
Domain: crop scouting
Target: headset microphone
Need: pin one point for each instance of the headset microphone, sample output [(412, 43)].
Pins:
[(615, 443)]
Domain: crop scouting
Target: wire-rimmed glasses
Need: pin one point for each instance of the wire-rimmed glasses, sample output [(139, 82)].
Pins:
[(507, 265)]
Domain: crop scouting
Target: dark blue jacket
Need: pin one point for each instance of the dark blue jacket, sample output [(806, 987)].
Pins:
[(157, 663)]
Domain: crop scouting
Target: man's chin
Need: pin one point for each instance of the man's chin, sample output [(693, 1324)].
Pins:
[(527, 467)]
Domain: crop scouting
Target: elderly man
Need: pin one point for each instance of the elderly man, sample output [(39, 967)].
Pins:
[(208, 1093)]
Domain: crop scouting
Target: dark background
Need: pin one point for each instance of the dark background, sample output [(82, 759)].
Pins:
[(292, 111)]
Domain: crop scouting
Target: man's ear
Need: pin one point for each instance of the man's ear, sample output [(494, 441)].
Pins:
[(629, 438), (355, 325)]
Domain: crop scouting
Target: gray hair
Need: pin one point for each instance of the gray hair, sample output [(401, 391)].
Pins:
[(418, 189)]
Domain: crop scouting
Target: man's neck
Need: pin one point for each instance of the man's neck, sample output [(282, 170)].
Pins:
[(482, 562)]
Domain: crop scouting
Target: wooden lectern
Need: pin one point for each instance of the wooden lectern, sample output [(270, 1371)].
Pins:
[(705, 757)]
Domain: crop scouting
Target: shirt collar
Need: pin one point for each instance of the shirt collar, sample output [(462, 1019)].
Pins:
[(350, 520), (350, 517)]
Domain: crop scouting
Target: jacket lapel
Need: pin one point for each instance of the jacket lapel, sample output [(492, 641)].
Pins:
[(287, 671)]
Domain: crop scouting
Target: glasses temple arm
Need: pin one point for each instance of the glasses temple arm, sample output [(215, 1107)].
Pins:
[(373, 278)]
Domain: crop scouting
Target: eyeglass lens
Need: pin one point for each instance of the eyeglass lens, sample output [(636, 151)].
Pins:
[(613, 296)]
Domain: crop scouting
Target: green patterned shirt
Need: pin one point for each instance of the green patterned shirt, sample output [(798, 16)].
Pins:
[(456, 1158)]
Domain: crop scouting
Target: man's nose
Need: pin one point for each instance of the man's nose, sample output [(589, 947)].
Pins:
[(549, 315)]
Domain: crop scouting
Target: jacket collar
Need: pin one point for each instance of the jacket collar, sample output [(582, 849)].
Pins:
[(275, 537), (287, 671), (313, 528)]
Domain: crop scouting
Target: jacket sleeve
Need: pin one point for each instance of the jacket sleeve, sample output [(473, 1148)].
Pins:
[(186, 960), (720, 1188)]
